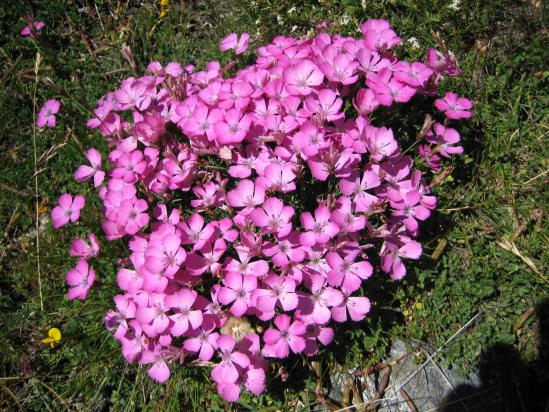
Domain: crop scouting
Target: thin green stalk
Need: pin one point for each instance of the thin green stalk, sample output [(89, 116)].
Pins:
[(36, 67)]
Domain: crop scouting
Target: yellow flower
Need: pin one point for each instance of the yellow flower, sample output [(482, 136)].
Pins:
[(164, 7), (54, 336)]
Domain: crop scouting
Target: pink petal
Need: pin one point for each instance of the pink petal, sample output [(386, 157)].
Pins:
[(159, 372)]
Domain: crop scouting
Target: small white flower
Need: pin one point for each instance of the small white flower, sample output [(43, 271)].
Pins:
[(291, 9), (345, 19), (455, 5), (414, 43)]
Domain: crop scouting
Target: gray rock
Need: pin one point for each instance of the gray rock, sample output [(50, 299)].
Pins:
[(427, 386)]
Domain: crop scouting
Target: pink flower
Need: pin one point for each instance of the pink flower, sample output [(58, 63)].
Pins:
[(445, 138), (242, 44), (246, 266), (315, 307), (202, 341), (129, 280), (132, 215), (233, 128), (209, 195), (280, 290), (301, 78), (357, 306), (237, 143), (84, 172), (365, 102), (380, 142), (357, 186), (454, 107), (159, 371), (67, 210), (326, 106), (431, 157), (345, 218), (160, 213), (255, 380), (378, 35), (393, 251), (32, 28), (347, 273), (107, 121), (80, 279), (183, 318), (134, 93), (317, 333), (289, 336), (149, 129), (339, 67), (130, 166), (208, 260), (370, 61), (46, 115), (285, 250), (279, 177), (389, 90), (444, 64), (80, 248), (274, 217), (152, 313), (413, 74), (195, 232), (231, 41), (247, 194), (117, 321), (237, 289), (310, 139), (235, 94), (164, 255), (232, 362), (320, 229), (409, 209), (255, 159)]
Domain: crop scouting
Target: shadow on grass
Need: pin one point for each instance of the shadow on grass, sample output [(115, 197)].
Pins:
[(508, 384)]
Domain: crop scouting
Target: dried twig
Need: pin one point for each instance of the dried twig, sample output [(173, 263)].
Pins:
[(438, 179), (535, 177), (52, 151), (357, 394), (381, 391), (511, 247), (521, 320), (50, 389), (408, 400), (439, 249), (13, 190), (13, 396), (535, 215)]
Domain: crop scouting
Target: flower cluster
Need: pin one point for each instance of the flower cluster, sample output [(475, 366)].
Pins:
[(251, 274)]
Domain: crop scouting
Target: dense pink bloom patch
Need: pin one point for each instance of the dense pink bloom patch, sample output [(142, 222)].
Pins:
[(207, 178)]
